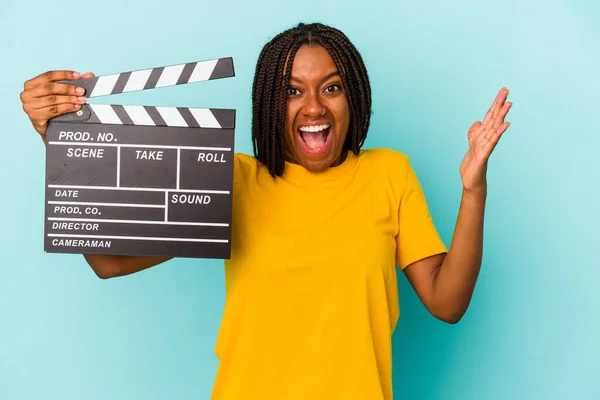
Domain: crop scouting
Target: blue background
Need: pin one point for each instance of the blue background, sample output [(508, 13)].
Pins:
[(532, 331)]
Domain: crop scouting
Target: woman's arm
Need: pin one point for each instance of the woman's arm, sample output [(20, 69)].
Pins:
[(108, 266), (43, 98), (445, 282)]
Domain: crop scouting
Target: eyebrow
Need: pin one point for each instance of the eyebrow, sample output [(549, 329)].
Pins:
[(329, 76)]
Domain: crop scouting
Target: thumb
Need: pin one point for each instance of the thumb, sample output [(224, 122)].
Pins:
[(473, 129)]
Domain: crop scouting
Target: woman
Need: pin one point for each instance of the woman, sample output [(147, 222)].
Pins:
[(318, 227)]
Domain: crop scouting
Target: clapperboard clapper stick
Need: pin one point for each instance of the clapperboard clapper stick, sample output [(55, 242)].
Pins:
[(141, 180)]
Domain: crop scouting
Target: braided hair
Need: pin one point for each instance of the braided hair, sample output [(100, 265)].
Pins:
[(272, 77)]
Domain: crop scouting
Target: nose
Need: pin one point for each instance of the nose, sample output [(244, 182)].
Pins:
[(313, 106)]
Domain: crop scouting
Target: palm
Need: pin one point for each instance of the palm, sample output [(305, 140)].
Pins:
[(483, 137)]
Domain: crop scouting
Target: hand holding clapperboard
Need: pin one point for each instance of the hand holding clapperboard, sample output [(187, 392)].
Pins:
[(141, 180)]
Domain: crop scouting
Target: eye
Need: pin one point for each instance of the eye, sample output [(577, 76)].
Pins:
[(333, 88), (292, 91)]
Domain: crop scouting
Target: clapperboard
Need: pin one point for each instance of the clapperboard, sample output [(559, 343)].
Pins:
[(141, 180)]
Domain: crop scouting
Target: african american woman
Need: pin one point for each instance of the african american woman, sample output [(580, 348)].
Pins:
[(319, 226)]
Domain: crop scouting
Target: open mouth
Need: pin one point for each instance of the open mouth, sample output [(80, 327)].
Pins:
[(315, 138)]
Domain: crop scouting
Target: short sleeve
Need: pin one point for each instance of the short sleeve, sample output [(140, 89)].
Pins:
[(417, 236)]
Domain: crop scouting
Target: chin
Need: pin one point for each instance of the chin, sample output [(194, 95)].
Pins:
[(317, 164)]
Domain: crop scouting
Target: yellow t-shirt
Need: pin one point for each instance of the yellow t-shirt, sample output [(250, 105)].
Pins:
[(311, 290)]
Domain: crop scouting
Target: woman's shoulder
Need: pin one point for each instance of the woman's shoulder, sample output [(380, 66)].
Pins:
[(244, 161), (243, 158), (245, 165)]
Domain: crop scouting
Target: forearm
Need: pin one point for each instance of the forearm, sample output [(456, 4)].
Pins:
[(111, 266), (455, 280)]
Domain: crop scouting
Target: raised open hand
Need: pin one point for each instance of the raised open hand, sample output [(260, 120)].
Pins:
[(483, 137)]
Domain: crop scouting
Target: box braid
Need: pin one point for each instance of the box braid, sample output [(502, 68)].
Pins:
[(272, 76)]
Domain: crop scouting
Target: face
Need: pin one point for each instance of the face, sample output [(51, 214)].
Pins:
[(317, 116)]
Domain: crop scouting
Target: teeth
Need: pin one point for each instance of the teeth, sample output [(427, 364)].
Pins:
[(316, 128)]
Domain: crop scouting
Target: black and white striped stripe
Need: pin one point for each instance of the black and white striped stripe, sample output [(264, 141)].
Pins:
[(160, 116), (156, 77)]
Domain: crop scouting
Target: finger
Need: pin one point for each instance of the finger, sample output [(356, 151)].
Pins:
[(500, 101), (52, 76), (502, 128), (497, 104), (499, 119), (46, 101), (52, 88), (493, 120), (490, 111), (87, 75), (491, 114), (42, 115)]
